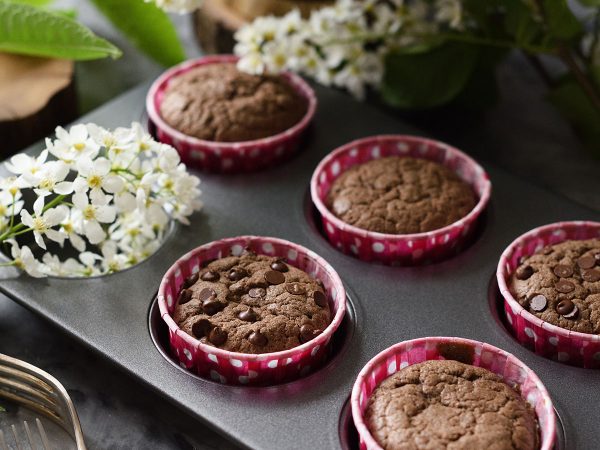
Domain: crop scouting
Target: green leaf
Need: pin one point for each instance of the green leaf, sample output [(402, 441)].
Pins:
[(576, 106), (590, 3), (2, 409), (147, 26), (481, 90), (561, 21), (32, 2), (427, 80), (29, 30)]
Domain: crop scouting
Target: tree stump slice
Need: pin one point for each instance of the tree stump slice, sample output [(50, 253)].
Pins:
[(36, 95), (217, 20)]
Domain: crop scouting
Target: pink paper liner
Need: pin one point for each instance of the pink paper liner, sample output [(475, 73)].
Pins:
[(398, 249), (399, 356), (546, 339), (242, 368), (227, 156)]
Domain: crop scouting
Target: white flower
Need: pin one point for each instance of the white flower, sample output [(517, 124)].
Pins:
[(93, 214), (69, 268), (50, 179), (73, 144), (72, 227), (42, 222), (149, 186), (24, 164), (450, 12), (23, 259), (177, 6), (96, 175)]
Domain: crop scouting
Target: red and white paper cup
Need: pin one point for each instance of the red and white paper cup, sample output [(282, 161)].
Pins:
[(514, 372), (227, 156), (546, 339), (398, 249), (243, 368)]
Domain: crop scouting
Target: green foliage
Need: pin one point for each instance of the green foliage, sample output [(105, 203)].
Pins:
[(575, 105), (29, 30), (561, 21), (32, 2), (147, 26), (428, 79)]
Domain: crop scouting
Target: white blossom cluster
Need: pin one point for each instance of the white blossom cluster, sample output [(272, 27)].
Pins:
[(343, 45), (177, 6), (110, 194)]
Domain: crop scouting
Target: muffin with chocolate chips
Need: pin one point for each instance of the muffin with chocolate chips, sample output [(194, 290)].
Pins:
[(447, 404), (560, 284), (252, 304), (400, 195), (217, 102)]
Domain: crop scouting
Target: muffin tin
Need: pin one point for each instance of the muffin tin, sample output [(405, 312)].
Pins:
[(116, 314)]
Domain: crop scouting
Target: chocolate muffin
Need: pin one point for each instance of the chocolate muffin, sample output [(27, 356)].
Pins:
[(216, 102), (400, 195), (252, 304), (449, 405), (560, 284)]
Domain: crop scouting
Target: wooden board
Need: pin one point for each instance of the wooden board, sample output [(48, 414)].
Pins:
[(36, 95)]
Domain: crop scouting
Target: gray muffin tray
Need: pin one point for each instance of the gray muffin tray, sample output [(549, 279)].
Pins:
[(116, 315)]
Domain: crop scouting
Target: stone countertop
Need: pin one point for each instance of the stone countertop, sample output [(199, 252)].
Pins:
[(522, 134)]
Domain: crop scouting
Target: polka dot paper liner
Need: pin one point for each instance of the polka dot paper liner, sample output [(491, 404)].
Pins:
[(514, 372), (242, 368), (398, 249), (227, 156), (546, 339)]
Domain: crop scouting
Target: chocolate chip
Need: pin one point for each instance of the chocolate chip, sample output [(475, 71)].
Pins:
[(597, 258), (563, 271), (538, 303), (274, 277), (184, 297), (201, 328), (524, 272), (295, 289), (591, 276), (573, 314), (586, 262), (257, 292), (210, 276), (211, 306), (237, 274), (564, 286), (279, 266), (248, 316), (217, 336), (307, 333), (190, 281), (320, 299), (565, 307), (257, 338), (207, 293)]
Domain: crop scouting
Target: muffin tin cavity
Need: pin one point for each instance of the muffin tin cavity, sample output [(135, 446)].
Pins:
[(349, 439), (339, 343), (398, 249)]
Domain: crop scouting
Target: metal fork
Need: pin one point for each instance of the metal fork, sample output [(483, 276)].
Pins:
[(30, 440), (38, 390)]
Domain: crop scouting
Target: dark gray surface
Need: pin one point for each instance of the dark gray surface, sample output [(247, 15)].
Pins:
[(393, 304)]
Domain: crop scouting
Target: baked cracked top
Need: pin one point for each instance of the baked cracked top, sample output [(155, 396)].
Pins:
[(449, 405), (252, 304), (216, 102), (400, 195), (561, 285)]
